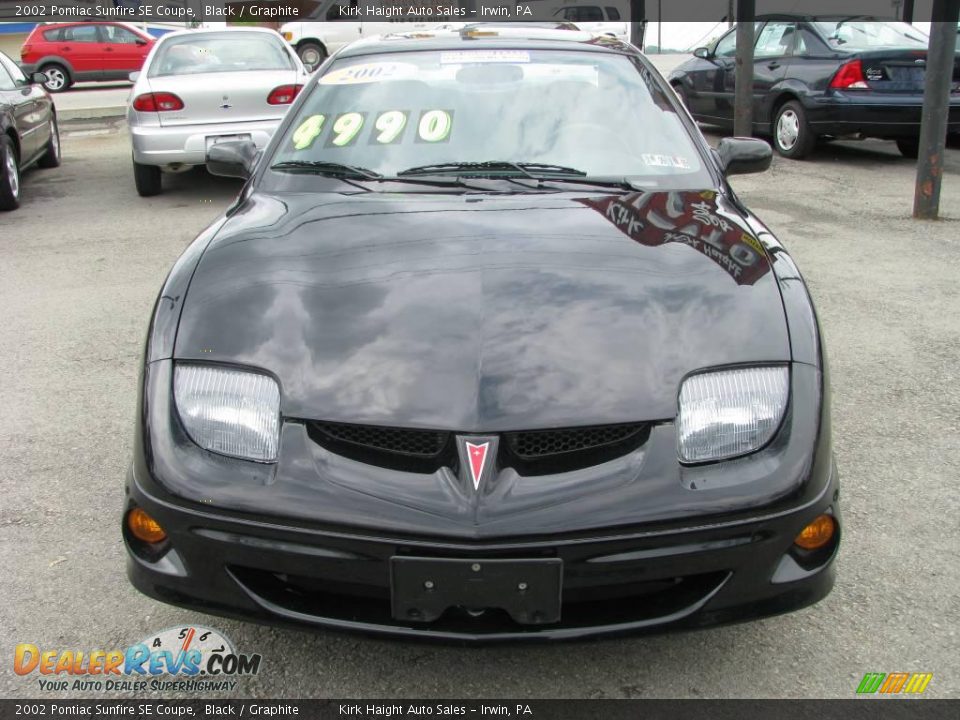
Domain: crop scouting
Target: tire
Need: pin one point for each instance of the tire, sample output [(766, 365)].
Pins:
[(792, 136), (311, 53), (9, 175), (147, 178), (58, 78), (909, 147), (51, 155)]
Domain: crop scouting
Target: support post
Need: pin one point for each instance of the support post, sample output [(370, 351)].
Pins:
[(638, 22), (743, 98), (936, 108)]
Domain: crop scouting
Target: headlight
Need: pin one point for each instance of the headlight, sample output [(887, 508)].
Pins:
[(726, 413), (232, 412)]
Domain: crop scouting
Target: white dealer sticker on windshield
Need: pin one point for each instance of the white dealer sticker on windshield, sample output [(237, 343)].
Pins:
[(370, 73), (460, 57), (672, 161)]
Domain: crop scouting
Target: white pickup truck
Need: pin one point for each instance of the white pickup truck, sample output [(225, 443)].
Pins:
[(315, 41)]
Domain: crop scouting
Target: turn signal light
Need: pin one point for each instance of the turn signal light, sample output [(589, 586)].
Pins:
[(283, 95), (817, 534), (157, 102), (143, 527), (850, 77)]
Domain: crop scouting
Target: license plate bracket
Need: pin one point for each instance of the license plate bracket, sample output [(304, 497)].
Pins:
[(422, 589), (217, 139)]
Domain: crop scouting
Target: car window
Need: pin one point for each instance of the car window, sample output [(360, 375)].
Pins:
[(119, 35), (81, 34), (776, 40), (6, 81), (15, 72), (727, 45), (53, 35), (220, 52), (864, 35), (598, 113), (612, 13), (584, 13)]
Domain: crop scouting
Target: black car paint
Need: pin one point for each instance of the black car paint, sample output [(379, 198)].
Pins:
[(708, 85), (25, 115), (479, 314)]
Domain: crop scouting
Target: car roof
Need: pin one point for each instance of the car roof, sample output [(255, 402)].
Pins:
[(475, 38), (815, 18), (217, 31)]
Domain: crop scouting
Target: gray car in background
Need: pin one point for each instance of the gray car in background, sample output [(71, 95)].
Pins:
[(197, 89)]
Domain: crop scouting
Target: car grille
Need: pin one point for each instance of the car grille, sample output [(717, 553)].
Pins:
[(420, 443), (530, 452), (534, 444)]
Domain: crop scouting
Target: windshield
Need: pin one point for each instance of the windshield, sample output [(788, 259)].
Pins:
[(861, 35), (597, 114), (220, 52)]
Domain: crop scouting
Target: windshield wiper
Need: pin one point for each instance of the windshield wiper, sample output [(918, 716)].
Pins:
[(523, 168), (322, 167)]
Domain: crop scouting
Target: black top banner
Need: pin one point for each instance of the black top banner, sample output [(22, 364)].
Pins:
[(584, 12), (864, 709)]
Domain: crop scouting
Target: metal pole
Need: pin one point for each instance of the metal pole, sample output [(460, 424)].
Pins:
[(907, 16), (936, 106), (659, 27), (743, 100), (637, 22)]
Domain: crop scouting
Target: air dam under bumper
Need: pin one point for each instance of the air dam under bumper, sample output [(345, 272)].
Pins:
[(726, 555)]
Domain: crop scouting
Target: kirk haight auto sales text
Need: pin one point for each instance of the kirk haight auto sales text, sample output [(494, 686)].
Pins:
[(441, 709)]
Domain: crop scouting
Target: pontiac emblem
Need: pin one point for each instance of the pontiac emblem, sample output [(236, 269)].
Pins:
[(478, 457)]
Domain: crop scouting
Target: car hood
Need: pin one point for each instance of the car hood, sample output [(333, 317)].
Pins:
[(483, 312)]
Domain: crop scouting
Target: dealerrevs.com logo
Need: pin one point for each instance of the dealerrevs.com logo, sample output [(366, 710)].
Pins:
[(197, 658)]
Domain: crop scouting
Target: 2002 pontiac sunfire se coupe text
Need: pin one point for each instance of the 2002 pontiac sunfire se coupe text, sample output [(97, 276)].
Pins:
[(486, 349)]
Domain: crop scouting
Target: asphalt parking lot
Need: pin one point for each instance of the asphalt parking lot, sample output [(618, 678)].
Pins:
[(81, 263)]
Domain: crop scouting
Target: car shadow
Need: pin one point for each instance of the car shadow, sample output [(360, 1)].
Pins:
[(197, 183), (93, 87)]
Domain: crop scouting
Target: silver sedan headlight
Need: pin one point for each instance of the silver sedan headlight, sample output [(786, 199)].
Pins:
[(229, 411), (726, 413)]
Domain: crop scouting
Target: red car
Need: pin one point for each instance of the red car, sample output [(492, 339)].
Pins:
[(78, 52)]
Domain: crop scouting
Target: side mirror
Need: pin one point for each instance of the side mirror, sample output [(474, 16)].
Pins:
[(140, 41), (702, 52), (38, 78), (740, 155), (235, 158), (133, 76)]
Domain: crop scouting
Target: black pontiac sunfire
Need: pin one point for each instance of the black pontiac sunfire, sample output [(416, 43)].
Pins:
[(486, 349)]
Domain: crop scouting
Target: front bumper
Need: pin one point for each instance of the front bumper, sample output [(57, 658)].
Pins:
[(188, 144), (627, 582), (644, 546), (872, 114)]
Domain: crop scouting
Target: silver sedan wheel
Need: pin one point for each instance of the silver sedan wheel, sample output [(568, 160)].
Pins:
[(56, 78), (788, 129), (13, 174)]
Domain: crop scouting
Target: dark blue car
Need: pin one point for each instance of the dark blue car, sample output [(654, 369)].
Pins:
[(819, 77)]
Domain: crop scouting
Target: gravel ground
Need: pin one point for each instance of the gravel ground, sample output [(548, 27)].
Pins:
[(82, 261)]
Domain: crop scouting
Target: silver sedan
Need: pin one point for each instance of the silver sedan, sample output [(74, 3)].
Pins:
[(200, 88)]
